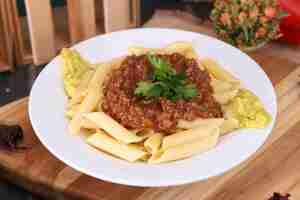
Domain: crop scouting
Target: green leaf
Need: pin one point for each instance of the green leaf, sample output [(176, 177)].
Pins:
[(148, 89), (180, 78), (155, 90), (190, 91), (142, 88), (166, 82), (162, 69)]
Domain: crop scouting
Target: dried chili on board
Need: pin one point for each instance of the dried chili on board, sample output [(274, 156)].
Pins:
[(278, 196), (10, 137)]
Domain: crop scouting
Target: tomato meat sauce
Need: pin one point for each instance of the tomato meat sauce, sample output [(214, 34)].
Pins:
[(160, 114)]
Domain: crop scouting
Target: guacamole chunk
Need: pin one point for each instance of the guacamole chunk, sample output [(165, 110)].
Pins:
[(248, 110), (74, 68)]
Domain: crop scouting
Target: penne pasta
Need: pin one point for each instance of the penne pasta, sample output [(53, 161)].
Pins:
[(145, 134), (144, 143), (187, 149), (200, 65), (87, 105), (221, 86), (225, 97), (188, 136), (217, 71), (112, 127), (145, 158), (87, 124), (137, 50), (191, 54), (153, 143), (75, 124), (184, 124), (90, 101), (114, 63), (81, 90), (92, 98), (225, 125), (108, 144), (185, 48), (224, 91), (229, 125), (70, 113)]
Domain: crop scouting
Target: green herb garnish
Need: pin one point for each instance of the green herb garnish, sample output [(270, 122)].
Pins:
[(165, 82)]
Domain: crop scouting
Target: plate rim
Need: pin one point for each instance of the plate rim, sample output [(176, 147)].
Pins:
[(135, 183)]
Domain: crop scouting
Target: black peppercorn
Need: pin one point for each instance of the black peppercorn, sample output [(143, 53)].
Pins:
[(278, 196), (10, 137)]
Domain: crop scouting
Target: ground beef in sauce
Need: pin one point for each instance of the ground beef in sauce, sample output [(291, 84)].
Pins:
[(161, 114)]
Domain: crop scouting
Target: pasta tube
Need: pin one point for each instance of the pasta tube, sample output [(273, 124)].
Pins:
[(112, 127), (152, 144), (184, 124), (106, 143), (188, 149), (229, 125), (225, 97), (90, 102), (217, 71), (75, 123), (188, 136), (185, 48), (221, 86), (85, 123), (137, 50), (72, 110), (224, 91)]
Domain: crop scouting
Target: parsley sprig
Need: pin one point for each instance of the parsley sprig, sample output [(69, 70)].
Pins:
[(165, 82)]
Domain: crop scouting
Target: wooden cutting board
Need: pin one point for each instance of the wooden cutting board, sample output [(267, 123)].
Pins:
[(275, 167)]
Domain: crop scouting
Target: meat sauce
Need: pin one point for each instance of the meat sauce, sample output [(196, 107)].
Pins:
[(161, 114)]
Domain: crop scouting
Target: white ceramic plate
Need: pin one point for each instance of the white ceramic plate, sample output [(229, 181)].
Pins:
[(47, 105)]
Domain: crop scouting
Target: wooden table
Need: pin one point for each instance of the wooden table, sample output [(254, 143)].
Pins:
[(275, 167)]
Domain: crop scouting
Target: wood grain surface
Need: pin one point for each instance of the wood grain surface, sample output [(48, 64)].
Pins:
[(42, 33), (275, 167), (82, 19), (6, 37)]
